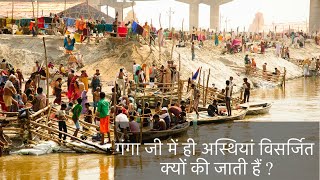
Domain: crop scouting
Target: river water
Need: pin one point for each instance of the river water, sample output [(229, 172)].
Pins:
[(298, 102)]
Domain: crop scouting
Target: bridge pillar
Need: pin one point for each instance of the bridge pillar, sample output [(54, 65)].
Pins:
[(193, 16), (314, 20), (214, 16)]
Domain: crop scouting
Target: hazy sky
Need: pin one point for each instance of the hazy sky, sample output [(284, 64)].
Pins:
[(239, 12)]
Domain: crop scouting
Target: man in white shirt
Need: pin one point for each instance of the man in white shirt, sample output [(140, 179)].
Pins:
[(231, 85), (121, 80), (61, 116), (122, 122), (165, 116), (134, 68)]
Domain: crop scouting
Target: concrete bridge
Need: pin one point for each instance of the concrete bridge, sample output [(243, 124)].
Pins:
[(119, 5), (193, 9), (314, 16), (314, 19)]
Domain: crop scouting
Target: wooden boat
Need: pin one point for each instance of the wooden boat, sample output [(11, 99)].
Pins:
[(149, 135), (257, 108), (204, 118)]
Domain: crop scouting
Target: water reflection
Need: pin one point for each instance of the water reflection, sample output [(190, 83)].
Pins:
[(57, 166)]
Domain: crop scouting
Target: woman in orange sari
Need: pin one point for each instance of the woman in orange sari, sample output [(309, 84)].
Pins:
[(72, 91)]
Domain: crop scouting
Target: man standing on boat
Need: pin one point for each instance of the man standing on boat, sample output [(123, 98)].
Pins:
[(228, 97), (246, 87)]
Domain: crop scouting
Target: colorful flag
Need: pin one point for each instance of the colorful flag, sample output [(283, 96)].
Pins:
[(195, 76)]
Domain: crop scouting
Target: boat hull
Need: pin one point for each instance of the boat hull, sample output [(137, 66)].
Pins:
[(259, 109), (149, 136), (204, 118)]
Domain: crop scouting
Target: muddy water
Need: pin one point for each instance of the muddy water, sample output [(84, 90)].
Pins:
[(298, 102), (57, 166)]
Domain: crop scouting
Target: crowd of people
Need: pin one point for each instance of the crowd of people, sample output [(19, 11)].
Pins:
[(121, 107)]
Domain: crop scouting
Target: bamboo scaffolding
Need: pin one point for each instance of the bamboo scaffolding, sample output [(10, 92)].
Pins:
[(82, 122), (76, 138), (39, 112), (66, 143), (47, 69), (141, 120)]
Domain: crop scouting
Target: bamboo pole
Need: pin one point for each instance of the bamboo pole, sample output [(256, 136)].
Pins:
[(32, 8), (199, 77), (72, 129), (37, 13), (65, 143), (207, 88), (47, 70), (203, 92), (179, 89), (76, 138), (173, 41), (159, 40), (284, 78), (114, 121), (48, 116), (39, 112), (12, 16), (141, 120), (179, 63), (82, 122), (12, 129), (133, 10)]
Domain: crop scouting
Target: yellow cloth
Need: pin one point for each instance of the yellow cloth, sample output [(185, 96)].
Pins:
[(7, 100), (85, 82), (62, 70), (77, 37)]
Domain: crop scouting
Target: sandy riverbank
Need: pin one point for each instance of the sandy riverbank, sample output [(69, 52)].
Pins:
[(110, 56)]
